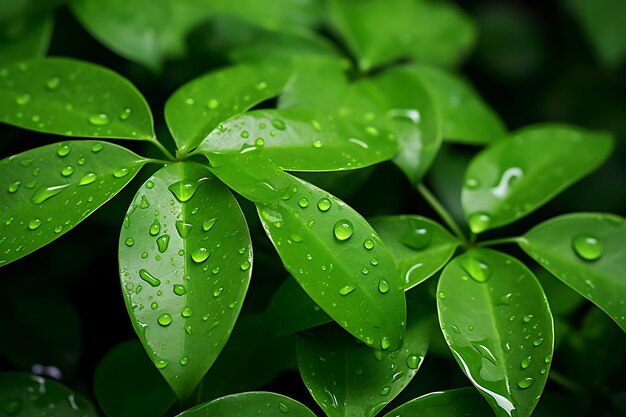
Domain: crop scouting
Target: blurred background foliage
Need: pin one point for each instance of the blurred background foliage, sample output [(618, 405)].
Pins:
[(532, 61)]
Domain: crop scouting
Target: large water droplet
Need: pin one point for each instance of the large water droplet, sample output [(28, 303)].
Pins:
[(479, 222), (525, 382), (149, 278), (475, 268), (67, 171), (63, 150), (526, 362), (165, 319), (121, 172), (383, 286), (155, 227), (199, 254), (14, 186), (100, 119), (417, 239), (245, 265), (160, 364), (88, 178), (324, 204), (412, 361), (343, 229), (183, 228), (183, 190), (346, 289), (179, 289), (368, 244), (44, 193), (163, 242), (34, 224), (587, 247)]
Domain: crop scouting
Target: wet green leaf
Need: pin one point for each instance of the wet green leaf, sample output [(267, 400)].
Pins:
[(346, 377), (466, 117), (586, 252), (420, 246), (198, 107), (47, 191), (463, 402), (303, 140), (378, 32), (22, 394), (261, 404), (497, 322), (25, 37), (515, 176), (126, 384), (72, 98), (185, 265)]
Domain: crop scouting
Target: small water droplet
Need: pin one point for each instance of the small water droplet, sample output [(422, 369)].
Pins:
[(125, 114), (527, 318), (441, 295), (368, 244), (129, 242), (23, 99), (218, 291), (283, 408), (317, 144), (417, 239), (479, 222), (163, 242), (67, 171), (199, 254), (213, 104), (472, 183), (475, 268), (346, 289), (88, 178), (587, 247), (208, 225), (525, 382), (34, 224), (303, 202), (97, 147), (261, 85), (245, 265), (526, 362), (412, 361), (259, 142), (365, 271), (149, 185), (63, 150), (100, 119), (343, 229), (383, 286), (14, 186), (374, 261), (278, 124), (155, 227), (144, 203), (179, 289), (53, 83), (149, 278), (121, 172), (538, 342), (165, 319), (160, 364), (385, 343), (186, 312)]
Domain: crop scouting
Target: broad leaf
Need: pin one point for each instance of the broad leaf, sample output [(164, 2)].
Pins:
[(72, 98), (497, 322), (126, 384), (198, 107), (515, 176), (185, 265), (586, 252), (419, 246), (346, 377), (463, 402), (29, 395), (25, 37), (47, 191), (466, 117), (303, 140), (261, 404)]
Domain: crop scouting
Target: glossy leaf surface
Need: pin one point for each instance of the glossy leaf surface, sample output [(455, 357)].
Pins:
[(303, 140), (199, 106), (420, 246), (463, 402), (72, 98), (25, 395), (497, 322), (261, 404), (348, 378), (185, 265), (25, 37), (126, 384), (47, 191), (515, 176), (586, 252), (466, 117)]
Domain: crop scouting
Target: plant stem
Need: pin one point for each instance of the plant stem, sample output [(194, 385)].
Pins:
[(494, 242), (441, 210), (162, 148)]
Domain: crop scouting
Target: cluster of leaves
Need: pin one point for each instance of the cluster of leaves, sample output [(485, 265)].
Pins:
[(185, 252)]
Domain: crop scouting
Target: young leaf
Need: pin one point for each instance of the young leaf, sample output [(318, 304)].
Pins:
[(463, 402), (515, 176), (497, 322), (303, 140), (185, 264), (72, 98), (585, 251), (47, 191), (198, 107), (467, 118), (258, 404), (419, 246), (22, 394), (347, 377), (126, 384), (25, 37)]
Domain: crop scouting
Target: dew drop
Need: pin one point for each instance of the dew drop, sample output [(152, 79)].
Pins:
[(100, 119), (63, 150), (317, 144), (125, 115), (479, 222), (53, 83), (129, 242), (475, 268), (179, 289), (121, 172), (316, 125), (97, 147), (385, 343), (383, 286), (67, 171), (144, 204), (87, 179), (412, 361), (218, 291), (526, 362), (160, 364), (14, 186), (537, 342), (368, 244), (165, 319), (527, 318), (149, 278), (155, 227), (163, 242), (283, 408), (186, 312), (149, 185), (34, 224), (245, 265), (199, 255), (185, 189), (324, 204), (22, 100), (303, 203), (213, 104), (587, 247), (278, 124), (183, 228), (417, 239), (525, 382), (343, 229), (346, 289), (261, 85), (259, 142)]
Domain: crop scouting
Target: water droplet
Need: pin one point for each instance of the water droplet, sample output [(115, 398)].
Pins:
[(365, 271), (163, 242), (53, 83), (441, 295), (259, 142), (121, 172), (303, 202), (160, 364), (317, 144), (165, 319), (58, 229), (412, 361), (208, 225), (186, 312), (374, 261), (199, 255), (383, 286), (125, 114), (587, 247), (385, 343), (155, 227), (97, 147), (385, 391), (346, 289), (472, 183), (144, 255), (22, 100), (44, 193), (526, 362), (129, 242), (537, 342), (63, 150), (245, 265), (479, 222), (213, 104), (87, 179), (100, 119), (179, 289), (183, 228), (14, 186), (278, 124), (476, 269), (67, 171), (525, 382), (316, 125), (261, 85), (34, 224), (343, 229), (149, 278), (283, 408), (527, 318), (144, 204), (368, 244), (218, 291), (417, 239), (183, 190), (149, 185)]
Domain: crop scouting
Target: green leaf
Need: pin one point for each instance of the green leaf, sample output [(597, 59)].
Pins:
[(25, 37), (185, 265), (420, 246), (29, 395), (261, 404), (47, 191), (126, 384), (497, 322), (463, 402), (515, 176), (466, 117), (586, 252), (347, 377), (303, 140), (378, 32), (72, 98), (198, 107), (292, 310)]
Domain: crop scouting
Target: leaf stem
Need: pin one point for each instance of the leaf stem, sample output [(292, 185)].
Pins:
[(441, 210), (494, 242), (162, 148)]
